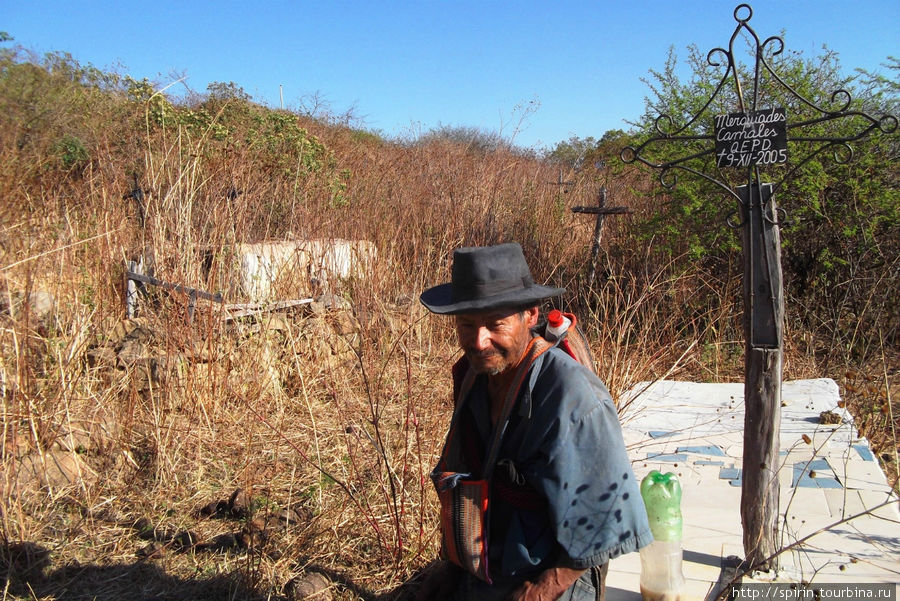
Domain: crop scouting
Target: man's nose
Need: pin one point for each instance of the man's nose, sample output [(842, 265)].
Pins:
[(482, 339)]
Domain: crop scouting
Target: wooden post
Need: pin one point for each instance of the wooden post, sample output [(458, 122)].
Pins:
[(601, 211), (763, 318), (131, 290), (598, 233)]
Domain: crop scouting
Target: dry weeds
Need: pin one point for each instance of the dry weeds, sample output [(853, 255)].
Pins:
[(328, 421)]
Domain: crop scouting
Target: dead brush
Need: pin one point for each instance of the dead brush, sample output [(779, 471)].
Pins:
[(337, 416), (869, 392)]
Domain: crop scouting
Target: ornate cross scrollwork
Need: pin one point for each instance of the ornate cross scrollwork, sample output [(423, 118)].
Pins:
[(748, 99)]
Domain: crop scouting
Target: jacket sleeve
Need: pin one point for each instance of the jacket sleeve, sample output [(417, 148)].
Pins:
[(581, 467)]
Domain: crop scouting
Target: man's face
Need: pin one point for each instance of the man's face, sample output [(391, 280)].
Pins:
[(495, 340)]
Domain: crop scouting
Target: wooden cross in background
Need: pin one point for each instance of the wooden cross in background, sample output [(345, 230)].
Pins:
[(601, 211)]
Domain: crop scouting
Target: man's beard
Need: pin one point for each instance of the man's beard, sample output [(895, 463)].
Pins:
[(476, 362)]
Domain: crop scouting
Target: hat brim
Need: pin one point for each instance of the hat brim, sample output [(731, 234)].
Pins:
[(439, 299)]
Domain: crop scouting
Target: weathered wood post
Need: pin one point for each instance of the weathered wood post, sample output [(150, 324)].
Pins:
[(742, 143), (763, 325), (601, 211)]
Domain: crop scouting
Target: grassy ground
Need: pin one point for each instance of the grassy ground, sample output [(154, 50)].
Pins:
[(328, 428), (124, 441)]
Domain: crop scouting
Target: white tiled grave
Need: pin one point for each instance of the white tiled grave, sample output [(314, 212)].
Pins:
[(696, 431)]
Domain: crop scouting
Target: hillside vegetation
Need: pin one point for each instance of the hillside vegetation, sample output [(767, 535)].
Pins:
[(187, 455)]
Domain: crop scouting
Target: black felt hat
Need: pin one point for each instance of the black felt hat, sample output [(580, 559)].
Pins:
[(487, 277)]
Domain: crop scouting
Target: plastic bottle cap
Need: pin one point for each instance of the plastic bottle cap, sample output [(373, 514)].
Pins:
[(555, 318), (661, 478)]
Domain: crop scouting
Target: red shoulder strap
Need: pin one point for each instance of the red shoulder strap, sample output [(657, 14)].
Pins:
[(537, 347)]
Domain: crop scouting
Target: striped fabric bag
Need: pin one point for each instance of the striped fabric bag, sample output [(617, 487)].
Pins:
[(464, 510)]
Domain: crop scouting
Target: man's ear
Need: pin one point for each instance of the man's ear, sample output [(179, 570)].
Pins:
[(531, 316)]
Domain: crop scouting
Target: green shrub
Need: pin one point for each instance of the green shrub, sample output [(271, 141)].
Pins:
[(71, 152)]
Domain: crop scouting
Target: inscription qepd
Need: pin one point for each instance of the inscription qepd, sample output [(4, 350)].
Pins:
[(755, 138)]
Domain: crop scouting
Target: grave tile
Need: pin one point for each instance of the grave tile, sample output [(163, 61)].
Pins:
[(666, 457), (864, 452), (661, 433), (702, 450), (814, 474), (858, 474), (844, 503), (803, 503), (730, 473), (871, 499)]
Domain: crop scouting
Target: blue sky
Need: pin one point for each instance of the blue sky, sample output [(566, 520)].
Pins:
[(406, 67)]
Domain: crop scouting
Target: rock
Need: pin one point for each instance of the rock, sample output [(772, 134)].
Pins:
[(332, 302), (406, 299), (268, 362), (344, 324), (220, 544), (239, 504), (201, 351), (317, 338), (253, 534), (830, 417), (134, 343), (275, 323), (126, 328), (97, 432), (185, 540), (101, 356), (226, 542), (144, 528), (290, 517), (154, 550), (41, 303), (313, 587), (317, 327), (272, 524), (151, 371), (132, 352), (149, 367), (56, 469), (74, 440), (215, 509)]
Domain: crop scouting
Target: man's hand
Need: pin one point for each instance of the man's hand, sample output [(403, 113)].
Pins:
[(440, 582), (549, 586)]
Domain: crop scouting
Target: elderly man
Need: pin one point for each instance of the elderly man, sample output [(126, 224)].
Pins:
[(537, 493)]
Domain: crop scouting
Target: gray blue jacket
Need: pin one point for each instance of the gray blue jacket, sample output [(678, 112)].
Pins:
[(563, 491)]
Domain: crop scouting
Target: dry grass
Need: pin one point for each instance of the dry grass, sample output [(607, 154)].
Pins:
[(336, 416)]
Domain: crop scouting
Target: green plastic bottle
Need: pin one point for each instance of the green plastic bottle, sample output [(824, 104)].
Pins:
[(662, 498), (661, 575)]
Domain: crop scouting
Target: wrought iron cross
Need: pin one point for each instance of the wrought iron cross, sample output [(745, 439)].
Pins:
[(744, 139)]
